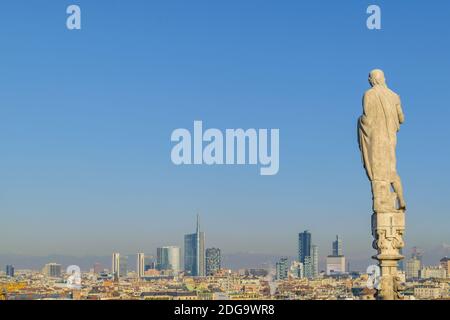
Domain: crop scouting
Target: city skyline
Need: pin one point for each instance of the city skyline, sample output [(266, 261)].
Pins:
[(163, 278), (164, 256), (437, 250), (213, 263)]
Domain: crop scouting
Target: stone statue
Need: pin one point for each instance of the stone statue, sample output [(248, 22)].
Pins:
[(377, 137), (377, 133)]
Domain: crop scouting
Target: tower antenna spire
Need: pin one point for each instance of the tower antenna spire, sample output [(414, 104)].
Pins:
[(198, 222)]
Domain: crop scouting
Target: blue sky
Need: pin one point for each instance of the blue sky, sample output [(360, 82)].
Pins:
[(86, 118)]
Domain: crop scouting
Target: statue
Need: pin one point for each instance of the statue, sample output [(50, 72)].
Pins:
[(377, 137), (377, 133)]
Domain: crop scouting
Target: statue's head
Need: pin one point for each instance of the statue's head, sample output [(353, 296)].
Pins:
[(376, 77)]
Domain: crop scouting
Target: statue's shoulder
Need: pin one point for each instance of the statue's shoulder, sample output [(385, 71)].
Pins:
[(395, 94), (369, 93)]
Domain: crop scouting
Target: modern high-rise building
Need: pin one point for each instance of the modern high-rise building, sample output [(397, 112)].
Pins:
[(304, 246), (52, 270), (308, 254), (213, 261), (194, 252), (337, 247), (9, 270), (413, 267), (335, 263), (308, 267), (168, 258), (140, 265), (282, 269), (115, 268), (315, 261)]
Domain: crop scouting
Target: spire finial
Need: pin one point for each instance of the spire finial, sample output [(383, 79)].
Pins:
[(198, 223)]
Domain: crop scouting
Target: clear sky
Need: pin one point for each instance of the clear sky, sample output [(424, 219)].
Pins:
[(86, 118)]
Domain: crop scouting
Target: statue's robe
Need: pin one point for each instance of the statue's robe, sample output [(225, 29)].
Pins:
[(377, 132)]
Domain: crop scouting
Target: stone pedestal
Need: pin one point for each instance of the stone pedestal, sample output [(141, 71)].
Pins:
[(388, 229)]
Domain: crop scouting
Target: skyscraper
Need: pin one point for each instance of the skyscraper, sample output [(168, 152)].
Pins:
[(308, 254), (194, 252), (213, 261), (336, 261), (140, 264), (282, 269), (52, 270), (308, 267), (337, 247), (168, 258), (315, 261), (115, 268), (304, 246), (9, 270), (413, 267)]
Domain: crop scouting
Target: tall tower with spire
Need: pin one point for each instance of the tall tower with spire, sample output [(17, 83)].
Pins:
[(194, 252), (198, 223)]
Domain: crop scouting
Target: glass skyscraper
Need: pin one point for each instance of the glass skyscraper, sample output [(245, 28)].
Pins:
[(168, 258), (10, 270), (115, 267), (194, 252), (304, 246), (308, 254), (337, 247), (52, 270)]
